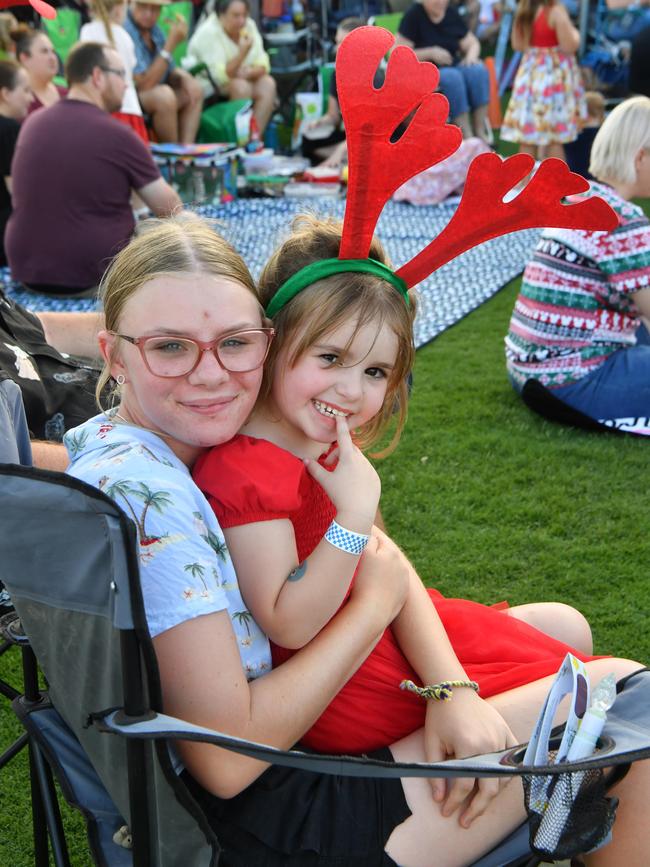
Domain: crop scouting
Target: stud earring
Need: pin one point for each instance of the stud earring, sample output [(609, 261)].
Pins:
[(120, 379)]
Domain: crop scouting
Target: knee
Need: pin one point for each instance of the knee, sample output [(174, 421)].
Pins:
[(195, 91), (574, 627), (559, 621), (239, 89), (162, 98), (267, 87)]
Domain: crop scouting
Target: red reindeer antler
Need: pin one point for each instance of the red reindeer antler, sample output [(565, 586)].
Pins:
[(377, 166), (43, 9), (482, 214)]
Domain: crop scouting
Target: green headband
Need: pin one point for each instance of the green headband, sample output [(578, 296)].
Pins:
[(325, 268)]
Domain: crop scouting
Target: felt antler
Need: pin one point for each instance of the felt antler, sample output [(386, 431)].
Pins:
[(377, 166), (43, 9), (482, 213)]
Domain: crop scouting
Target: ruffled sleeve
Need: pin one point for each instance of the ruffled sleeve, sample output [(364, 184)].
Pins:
[(248, 480)]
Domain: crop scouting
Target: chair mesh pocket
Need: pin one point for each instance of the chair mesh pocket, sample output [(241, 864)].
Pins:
[(568, 814)]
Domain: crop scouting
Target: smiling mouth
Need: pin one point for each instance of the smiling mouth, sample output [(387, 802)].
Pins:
[(209, 405), (329, 411)]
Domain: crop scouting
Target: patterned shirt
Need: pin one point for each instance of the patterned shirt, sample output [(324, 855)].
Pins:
[(575, 307), (185, 567), (144, 56)]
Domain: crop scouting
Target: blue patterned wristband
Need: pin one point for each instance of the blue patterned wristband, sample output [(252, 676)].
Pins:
[(346, 540)]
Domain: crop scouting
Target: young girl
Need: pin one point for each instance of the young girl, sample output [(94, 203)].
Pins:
[(15, 97), (547, 103), (296, 509), (106, 27)]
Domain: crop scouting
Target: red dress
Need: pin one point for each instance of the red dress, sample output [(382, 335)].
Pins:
[(249, 480)]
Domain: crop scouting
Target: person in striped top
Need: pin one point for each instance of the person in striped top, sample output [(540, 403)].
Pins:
[(579, 322)]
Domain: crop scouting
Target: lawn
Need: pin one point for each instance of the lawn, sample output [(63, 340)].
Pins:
[(490, 502)]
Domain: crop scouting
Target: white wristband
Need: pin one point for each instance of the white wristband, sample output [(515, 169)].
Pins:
[(166, 55), (346, 540)]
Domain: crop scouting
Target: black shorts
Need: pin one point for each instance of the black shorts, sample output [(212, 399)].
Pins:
[(294, 818)]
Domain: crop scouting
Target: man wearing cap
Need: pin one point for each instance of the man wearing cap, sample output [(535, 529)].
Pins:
[(171, 96), (73, 174)]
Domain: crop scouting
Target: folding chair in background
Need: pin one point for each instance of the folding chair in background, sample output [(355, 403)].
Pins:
[(78, 595)]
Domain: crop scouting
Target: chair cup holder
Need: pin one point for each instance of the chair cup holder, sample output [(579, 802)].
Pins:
[(568, 813)]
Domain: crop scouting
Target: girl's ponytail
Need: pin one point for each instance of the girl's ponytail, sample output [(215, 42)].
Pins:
[(101, 11)]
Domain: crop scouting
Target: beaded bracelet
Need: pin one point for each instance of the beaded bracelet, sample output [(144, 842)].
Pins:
[(438, 691), (346, 540)]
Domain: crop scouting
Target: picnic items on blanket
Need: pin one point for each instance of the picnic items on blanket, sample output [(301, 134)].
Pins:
[(199, 172), (570, 813), (438, 182)]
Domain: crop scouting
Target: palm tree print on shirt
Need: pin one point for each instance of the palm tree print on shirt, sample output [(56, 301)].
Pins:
[(156, 500), (197, 571), (244, 617)]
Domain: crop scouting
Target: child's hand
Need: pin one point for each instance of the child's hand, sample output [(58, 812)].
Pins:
[(465, 726), (382, 579), (354, 486)]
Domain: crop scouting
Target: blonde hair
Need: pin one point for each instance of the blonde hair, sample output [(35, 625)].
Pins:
[(182, 243), (595, 104), (329, 303), (8, 23), (102, 9), (623, 134)]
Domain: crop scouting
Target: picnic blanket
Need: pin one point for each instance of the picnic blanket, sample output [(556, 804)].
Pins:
[(254, 227)]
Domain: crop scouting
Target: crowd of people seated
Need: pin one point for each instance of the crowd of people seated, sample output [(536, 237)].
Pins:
[(78, 196)]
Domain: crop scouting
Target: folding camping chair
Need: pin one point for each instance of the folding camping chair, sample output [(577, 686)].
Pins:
[(78, 596)]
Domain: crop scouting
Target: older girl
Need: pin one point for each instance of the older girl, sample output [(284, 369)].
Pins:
[(184, 343)]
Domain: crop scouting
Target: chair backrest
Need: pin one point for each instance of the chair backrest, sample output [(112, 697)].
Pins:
[(77, 592), (389, 21), (63, 30), (168, 16)]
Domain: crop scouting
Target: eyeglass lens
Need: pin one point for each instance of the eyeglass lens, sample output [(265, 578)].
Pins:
[(176, 356)]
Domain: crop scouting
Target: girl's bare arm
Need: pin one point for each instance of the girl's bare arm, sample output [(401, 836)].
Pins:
[(203, 680)]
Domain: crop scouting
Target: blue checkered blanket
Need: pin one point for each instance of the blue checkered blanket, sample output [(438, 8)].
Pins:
[(254, 227)]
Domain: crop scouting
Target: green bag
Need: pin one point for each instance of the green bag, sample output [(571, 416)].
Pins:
[(218, 123)]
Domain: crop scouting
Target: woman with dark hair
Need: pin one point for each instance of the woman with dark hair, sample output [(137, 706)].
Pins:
[(15, 97), (231, 47), (35, 53)]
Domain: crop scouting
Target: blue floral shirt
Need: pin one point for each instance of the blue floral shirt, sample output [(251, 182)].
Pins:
[(185, 567), (143, 55)]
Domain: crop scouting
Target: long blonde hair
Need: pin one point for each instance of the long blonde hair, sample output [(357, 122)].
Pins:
[(331, 302), (181, 243), (101, 9)]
